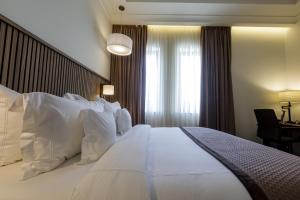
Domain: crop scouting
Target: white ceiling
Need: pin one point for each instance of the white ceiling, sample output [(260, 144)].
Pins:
[(216, 12)]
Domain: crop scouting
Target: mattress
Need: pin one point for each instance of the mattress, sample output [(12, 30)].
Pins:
[(57, 184)]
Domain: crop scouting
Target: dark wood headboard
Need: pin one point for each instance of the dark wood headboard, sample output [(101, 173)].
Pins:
[(29, 64)]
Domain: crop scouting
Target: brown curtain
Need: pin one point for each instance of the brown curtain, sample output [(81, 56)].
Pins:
[(128, 73), (217, 109)]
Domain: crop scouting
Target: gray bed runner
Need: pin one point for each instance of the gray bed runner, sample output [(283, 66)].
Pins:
[(267, 173)]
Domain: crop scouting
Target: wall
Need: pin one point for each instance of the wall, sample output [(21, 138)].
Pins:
[(293, 67), (76, 27), (258, 72), (264, 61), (293, 63)]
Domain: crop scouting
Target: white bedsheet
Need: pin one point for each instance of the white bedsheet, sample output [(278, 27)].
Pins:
[(54, 185), (158, 164)]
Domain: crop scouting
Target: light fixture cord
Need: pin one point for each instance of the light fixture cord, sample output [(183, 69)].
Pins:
[(121, 14)]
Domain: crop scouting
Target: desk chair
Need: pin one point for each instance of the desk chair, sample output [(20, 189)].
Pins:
[(272, 132)]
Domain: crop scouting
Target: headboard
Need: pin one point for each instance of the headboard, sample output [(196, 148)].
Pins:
[(29, 64)]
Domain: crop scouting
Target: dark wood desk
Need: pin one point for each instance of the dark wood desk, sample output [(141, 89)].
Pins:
[(290, 126), (292, 131)]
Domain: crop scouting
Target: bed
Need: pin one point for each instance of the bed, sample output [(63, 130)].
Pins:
[(153, 163), (146, 163)]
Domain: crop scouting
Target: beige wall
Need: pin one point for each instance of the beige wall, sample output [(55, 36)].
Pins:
[(258, 72), (293, 63), (293, 67), (76, 27), (264, 61)]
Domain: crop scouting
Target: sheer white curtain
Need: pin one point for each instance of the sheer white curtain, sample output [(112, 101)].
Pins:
[(173, 76)]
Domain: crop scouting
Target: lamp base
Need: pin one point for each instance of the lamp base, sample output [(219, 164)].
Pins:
[(288, 108)]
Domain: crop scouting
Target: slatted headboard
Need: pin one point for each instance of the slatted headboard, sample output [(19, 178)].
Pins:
[(29, 64)]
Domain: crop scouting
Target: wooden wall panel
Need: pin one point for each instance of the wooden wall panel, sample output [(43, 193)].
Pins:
[(63, 82), (16, 75), (2, 43), (12, 59), (36, 67), (23, 64), (44, 69), (6, 55), (29, 64), (57, 76), (68, 76)]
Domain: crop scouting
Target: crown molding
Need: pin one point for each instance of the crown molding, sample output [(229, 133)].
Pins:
[(177, 19), (288, 2), (205, 20)]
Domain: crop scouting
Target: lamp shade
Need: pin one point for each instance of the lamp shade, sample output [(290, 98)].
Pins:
[(108, 90), (292, 96), (119, 44)]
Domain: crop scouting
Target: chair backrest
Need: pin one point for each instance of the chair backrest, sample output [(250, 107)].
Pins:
[(267, 122), (266, 118)]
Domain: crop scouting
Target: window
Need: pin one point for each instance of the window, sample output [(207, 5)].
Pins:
[(188, 88), (153, 76), (173, 76)]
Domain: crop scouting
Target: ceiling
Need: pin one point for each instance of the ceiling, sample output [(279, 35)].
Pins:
[(204, 12), (222, 1)]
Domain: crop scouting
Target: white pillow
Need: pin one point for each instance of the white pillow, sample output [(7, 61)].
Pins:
[(99, 134), (52, 132), (123, 120), (11, 123), (110, 107), (74, 97), (96, 105)]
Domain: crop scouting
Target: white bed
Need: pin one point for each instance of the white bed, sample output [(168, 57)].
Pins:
[(146, 163)]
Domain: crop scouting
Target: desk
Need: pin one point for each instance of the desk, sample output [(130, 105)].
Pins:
[(290, 132), (290, 126)]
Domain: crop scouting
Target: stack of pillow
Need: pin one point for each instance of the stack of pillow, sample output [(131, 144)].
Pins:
[(44, 130)]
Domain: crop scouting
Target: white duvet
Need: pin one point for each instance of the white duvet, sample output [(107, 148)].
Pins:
[(158, 164)]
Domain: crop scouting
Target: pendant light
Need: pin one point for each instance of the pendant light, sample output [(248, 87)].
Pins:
[(118, 43)]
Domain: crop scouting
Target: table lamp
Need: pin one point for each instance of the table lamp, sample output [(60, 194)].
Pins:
[(108, 90), (288, 97)]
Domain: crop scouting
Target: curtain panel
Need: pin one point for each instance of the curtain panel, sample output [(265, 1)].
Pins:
[(128, 73), (217, 110), (173, 76)]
